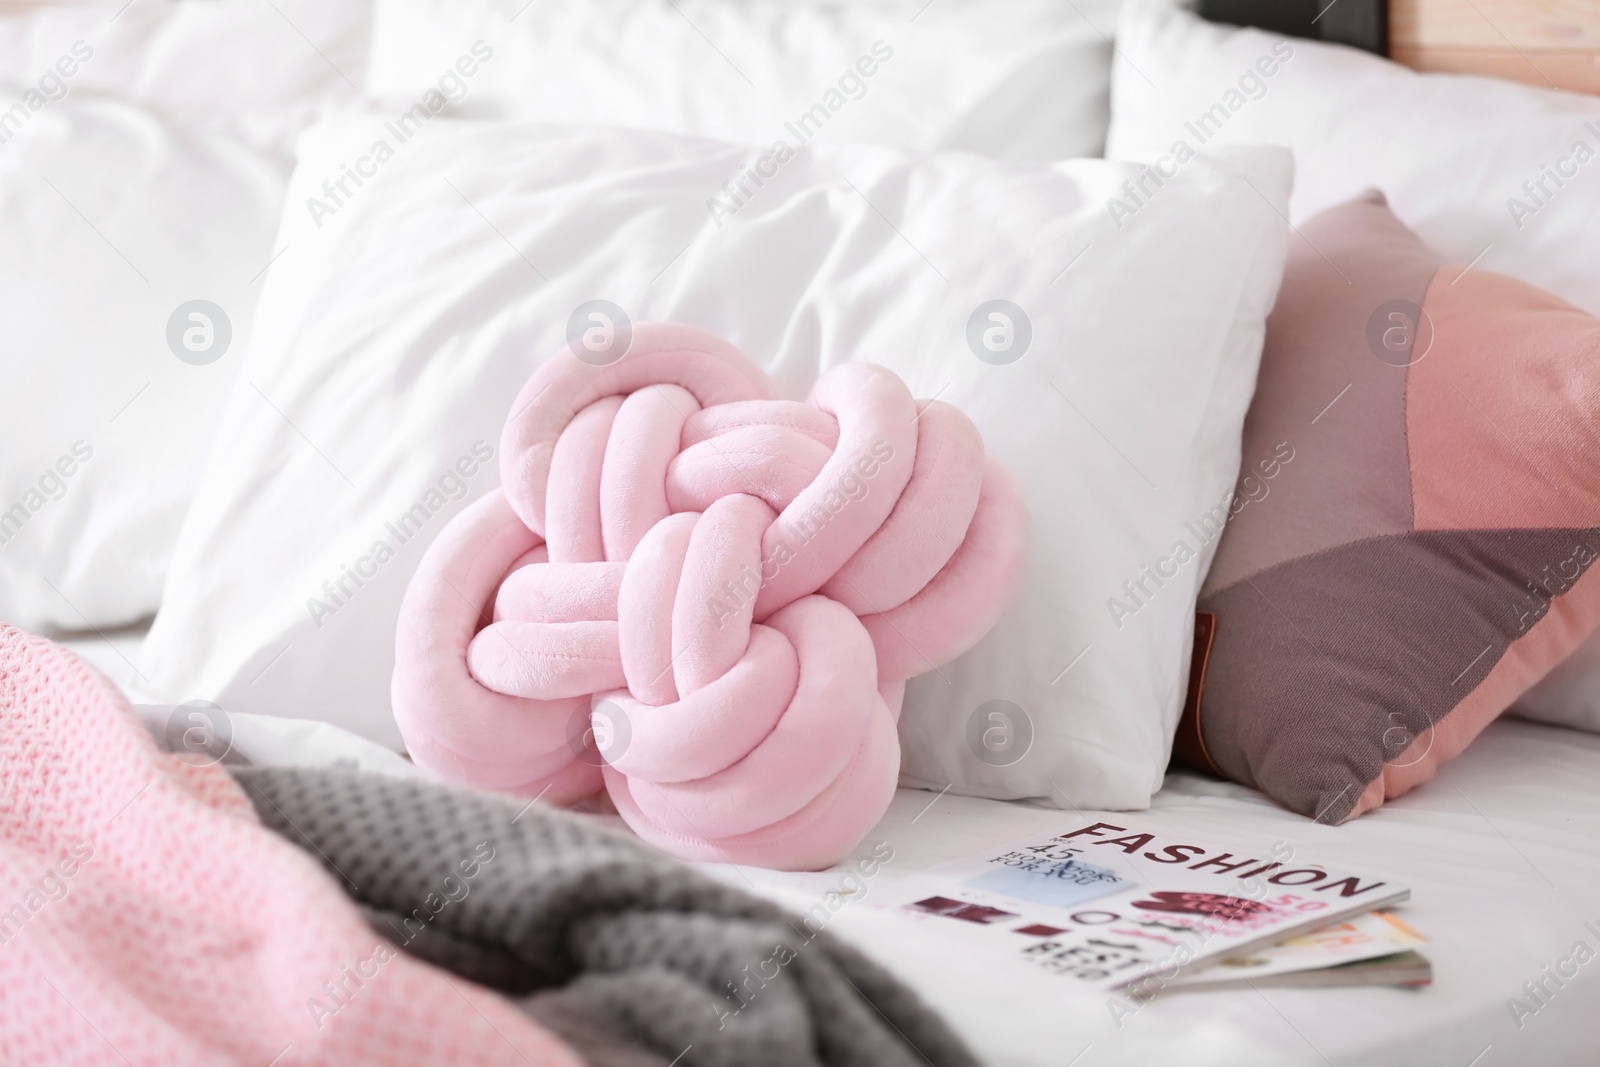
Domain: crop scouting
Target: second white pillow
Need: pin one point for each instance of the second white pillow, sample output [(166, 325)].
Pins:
[(1022, 80), (1108, 368)]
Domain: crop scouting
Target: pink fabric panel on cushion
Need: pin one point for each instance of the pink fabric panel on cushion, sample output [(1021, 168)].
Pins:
[(1510, 370)]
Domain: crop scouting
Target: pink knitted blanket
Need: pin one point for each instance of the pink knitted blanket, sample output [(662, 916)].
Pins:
[(703, 599), (146, 917)]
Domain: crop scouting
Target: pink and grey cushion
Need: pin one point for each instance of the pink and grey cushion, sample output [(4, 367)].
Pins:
[(1423, 555)]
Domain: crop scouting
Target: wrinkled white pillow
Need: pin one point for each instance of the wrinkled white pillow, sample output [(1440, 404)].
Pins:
[(1490, 173), (1021, 80), (144, 150), (1109, 369), (114, 223), (255, 70), (1459, 158), (1568, 695)]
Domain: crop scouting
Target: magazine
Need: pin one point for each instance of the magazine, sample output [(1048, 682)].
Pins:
[(1325, 956), (1409, 969), (1119, 908)]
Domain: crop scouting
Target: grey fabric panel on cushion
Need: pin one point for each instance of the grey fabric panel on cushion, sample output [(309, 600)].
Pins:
[(1313, 619), (630, 956)]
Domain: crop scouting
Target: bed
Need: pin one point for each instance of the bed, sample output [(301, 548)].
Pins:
[(1501, 888), (1499, 857), (1499, 849)]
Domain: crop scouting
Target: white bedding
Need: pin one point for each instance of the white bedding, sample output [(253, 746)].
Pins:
[(1499, 851), (1500, 854)]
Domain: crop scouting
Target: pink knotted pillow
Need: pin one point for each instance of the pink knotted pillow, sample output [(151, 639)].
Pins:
[(703, 599)]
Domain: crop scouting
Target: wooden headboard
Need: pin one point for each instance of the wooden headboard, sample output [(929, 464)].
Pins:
[(1550, 43)]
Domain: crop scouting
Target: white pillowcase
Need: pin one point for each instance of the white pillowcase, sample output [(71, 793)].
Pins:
[(1450, 152), (392, 339), (1503, 176), (114, 215), (1022, 80), (259, 71), (1568, 695), (112, 220)]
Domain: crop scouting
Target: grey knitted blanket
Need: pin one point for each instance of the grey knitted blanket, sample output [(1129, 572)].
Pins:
[(635, 959)]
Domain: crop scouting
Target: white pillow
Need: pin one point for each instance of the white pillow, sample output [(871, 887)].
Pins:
[(260, 71), (1568, 695), (1022, 80), (392, 340), (1461, 160), (113, 220), (1451, 152)]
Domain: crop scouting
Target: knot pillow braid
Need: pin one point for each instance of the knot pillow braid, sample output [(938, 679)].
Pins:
[(730, 587)]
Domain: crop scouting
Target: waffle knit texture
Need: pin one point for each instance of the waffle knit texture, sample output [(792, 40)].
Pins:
[(632, 957), (146, 917)]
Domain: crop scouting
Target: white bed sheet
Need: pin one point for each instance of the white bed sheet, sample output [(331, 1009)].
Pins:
[(260, 739), (114, 652), (1502, 852)]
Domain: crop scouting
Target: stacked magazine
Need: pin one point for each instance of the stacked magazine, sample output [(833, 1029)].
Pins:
[(1138, 913)]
